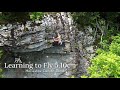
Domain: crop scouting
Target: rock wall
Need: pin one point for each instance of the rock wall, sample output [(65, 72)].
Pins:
[(52, 57), (37, 36)]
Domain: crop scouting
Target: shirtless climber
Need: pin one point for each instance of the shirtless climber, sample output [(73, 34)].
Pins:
[(57, 39)]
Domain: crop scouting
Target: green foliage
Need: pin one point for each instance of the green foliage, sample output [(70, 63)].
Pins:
[(105, 65), (1, 52), (36, 15), (1, 76), (72, 76), (85, 18), (116, 39), (105, 45), (111, 17), (99, 51), (84, 76), (115, 45), (12, 17)]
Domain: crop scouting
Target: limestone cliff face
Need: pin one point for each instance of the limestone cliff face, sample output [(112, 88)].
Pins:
[(37, 36)]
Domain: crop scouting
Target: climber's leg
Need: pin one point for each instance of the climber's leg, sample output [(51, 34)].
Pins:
[(55, 44), (63, 44)]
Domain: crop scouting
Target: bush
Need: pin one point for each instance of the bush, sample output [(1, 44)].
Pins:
[(104, 45), (115, 45), (115, 48), (105, 65)]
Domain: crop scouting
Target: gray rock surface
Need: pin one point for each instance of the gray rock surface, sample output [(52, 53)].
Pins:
[(33, 42), (53, 57)]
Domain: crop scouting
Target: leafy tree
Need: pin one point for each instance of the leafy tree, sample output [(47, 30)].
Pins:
[(106, 62), (85, 18)]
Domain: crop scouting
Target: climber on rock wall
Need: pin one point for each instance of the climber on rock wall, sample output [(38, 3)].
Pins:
[(57, 39)]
